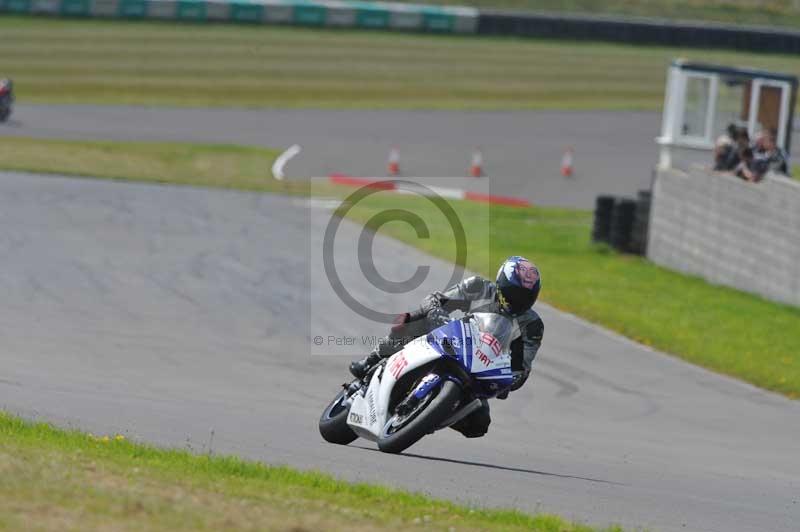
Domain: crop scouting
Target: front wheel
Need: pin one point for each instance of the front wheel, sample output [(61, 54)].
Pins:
[(333, 422), (401, 432)]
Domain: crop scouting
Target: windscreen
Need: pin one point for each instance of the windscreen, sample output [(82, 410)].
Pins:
[(498, 326)]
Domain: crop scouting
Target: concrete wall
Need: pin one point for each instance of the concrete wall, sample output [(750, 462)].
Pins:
[(728, 231)]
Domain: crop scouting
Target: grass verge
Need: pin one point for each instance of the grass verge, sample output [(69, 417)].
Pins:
[(213, 165), (53, 479), (720, 328), (151, 63)]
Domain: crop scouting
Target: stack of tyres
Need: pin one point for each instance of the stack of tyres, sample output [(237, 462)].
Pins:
[(622, 224), (604, 208), (640, 222)]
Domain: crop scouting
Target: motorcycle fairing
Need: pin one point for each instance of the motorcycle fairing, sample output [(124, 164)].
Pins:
[(490, 370), (453, 339), (363, 416), (486, 364), (371, 409)]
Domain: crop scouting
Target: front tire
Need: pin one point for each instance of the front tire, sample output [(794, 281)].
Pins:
[(333, 423), (425, 422)]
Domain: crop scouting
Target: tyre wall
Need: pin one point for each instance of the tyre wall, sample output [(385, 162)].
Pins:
[(640, 31)]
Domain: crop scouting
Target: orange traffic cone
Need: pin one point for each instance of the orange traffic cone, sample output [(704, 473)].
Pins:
[(476, 167), (394, 162), (566, 163)]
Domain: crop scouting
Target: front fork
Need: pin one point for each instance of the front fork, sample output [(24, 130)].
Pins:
[(425, 386)]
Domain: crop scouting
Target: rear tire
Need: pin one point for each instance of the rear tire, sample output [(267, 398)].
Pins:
[(333, 423), (439, 409)]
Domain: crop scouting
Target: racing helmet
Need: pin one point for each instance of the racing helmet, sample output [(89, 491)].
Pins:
[(518, 283)]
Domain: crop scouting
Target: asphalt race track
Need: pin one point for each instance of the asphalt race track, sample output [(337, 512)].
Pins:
[(166, 313), (522, 150), (614, 152)]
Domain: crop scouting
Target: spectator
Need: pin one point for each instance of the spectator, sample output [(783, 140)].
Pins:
[(723, 147), (745, 167), (767, 156), (727, 152)]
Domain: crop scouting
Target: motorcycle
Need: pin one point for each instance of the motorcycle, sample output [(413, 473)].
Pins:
[(6, 98), (434, 382)]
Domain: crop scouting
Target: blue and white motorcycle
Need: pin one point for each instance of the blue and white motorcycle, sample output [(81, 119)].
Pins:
[(434, 382)]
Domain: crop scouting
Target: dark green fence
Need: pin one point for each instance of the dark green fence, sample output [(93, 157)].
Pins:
[(341, 13)]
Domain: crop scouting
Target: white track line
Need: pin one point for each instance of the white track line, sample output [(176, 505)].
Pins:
[(283, 158), (425, 190)]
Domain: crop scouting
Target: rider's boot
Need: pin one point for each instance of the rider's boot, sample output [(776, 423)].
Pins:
[(360, 368), (401, 333)]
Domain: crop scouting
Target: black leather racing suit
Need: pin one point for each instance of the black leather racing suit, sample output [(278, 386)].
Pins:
[(474, 294)]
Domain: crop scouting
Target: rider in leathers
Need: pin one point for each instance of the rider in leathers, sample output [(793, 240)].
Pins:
[(514, 292)]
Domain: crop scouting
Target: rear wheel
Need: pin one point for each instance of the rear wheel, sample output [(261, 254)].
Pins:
[(403, 431), (333, 422)]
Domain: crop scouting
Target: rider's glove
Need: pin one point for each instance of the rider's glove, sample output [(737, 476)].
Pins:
[(519, 379), (437, 317)]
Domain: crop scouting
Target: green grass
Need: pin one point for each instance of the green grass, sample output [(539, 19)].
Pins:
[(722, 329), (766, 12), (52, 479), (213, 165), (149, 63)]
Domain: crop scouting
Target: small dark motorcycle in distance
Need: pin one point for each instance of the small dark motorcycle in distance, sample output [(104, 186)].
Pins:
[(6, 98)]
